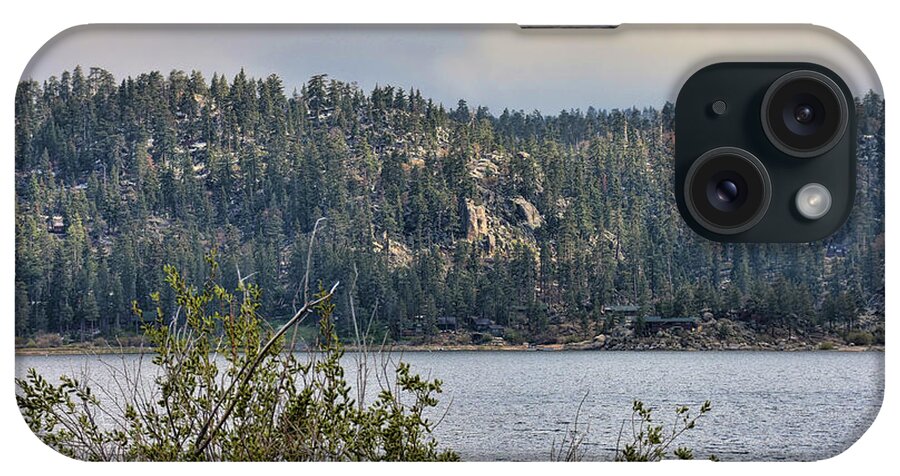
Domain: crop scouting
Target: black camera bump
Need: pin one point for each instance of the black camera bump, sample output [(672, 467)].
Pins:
[(740, 176)]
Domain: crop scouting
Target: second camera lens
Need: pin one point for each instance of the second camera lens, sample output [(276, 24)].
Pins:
[(727, 190), (804, 113)]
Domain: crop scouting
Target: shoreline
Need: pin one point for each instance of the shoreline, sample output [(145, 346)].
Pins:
[(48, 351)]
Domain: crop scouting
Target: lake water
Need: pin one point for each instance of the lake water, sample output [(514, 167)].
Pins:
[(514, 405)]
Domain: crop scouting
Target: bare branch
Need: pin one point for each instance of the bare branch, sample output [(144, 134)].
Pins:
[(247, 370)]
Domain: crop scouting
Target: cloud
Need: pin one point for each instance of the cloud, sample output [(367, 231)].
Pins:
[(500, 66)]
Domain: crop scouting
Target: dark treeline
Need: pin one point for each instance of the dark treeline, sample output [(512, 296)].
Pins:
[(529, 220)]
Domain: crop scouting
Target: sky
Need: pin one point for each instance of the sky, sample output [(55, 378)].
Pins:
[(498, 66)]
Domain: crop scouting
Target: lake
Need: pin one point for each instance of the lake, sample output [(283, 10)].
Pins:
[(514, 405)]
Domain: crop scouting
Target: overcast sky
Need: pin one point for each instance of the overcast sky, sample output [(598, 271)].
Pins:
[(496, 66)]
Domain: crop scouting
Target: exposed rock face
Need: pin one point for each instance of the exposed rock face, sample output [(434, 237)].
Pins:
[(485, 168), (398, 253), (528, 213), (489, 243), (476, 221)]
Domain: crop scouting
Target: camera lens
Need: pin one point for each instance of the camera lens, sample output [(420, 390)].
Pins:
[(804, 113), (727, 190)]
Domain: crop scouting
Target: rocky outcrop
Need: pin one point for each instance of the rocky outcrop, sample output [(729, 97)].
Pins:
[(476, 220), (485, 168), (528, 213), (478, 228), (398, 254)]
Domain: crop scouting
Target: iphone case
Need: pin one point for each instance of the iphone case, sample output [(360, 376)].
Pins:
[(421, 242)]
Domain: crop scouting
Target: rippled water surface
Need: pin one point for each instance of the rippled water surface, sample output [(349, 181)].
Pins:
[(514, 405)]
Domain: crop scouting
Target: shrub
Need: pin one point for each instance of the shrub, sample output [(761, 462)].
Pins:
[(571, 339), (651, 442), (878, 334), (513, 336), (647, 441), (263, 404), (826, 345), (479, 338), (860, 338), (48, 340), (99, 342), (463, 338), (724, 329), (131, 341)]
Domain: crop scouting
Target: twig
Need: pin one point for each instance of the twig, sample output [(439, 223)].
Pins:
[(309, 251), (245, 373)]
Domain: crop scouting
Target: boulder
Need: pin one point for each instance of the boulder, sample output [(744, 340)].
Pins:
[(528, 213), (475, 217), (484, 168)]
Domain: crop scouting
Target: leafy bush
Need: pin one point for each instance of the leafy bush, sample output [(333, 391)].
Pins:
[(826, 345), (648, 441), (639, 325), (860, 338), (263, 404), (48, 340), (513, 336), (571, 339), (878, 334), (131, 340), (724, 329), (651, 442), (479, 338), (99, 342)]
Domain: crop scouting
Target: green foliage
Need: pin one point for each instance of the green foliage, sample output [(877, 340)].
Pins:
[(878, 334), (640, 326), (860, 338), (652, 442), (227, 389), (513, 336), (649, 441), (724, 329), (156, 169)]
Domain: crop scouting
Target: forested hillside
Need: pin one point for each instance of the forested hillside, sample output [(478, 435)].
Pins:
[(532, 221)]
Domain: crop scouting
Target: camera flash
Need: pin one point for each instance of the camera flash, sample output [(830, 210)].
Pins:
[(813, 201)]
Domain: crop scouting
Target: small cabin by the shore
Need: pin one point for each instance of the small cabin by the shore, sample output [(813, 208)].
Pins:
[(488, 326), (414, 327), (621, 314), (446, 323)]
